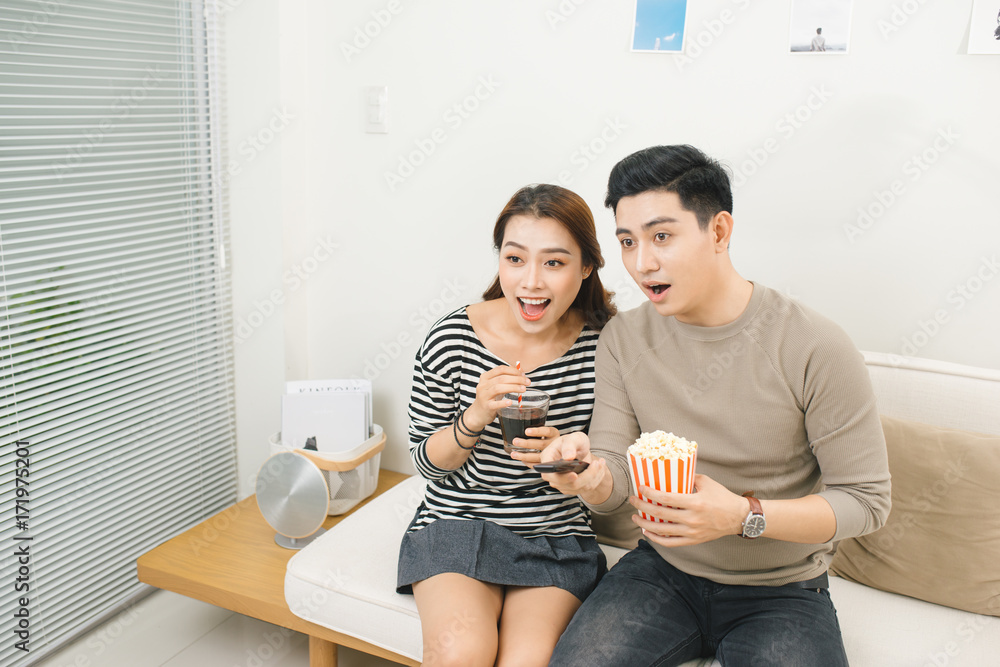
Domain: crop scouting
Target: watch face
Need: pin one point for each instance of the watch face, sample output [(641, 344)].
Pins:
[(754, 526)]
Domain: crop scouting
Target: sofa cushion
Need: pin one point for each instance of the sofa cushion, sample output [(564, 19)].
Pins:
[(941, 542), (887, 630), (346, 579)]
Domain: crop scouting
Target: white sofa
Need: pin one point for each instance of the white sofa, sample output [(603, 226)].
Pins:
[(352, 568)]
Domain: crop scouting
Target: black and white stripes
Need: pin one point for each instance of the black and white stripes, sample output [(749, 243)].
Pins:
[(491, 485)]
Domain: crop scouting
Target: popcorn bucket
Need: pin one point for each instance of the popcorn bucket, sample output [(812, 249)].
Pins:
[(675, 475)]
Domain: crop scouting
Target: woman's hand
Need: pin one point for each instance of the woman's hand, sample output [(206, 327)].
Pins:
[(541, 437), (493, 384)]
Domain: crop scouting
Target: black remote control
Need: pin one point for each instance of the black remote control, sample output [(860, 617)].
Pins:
[(562, 466)]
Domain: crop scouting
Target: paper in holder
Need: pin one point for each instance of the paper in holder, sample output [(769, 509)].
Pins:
[(671, 475)]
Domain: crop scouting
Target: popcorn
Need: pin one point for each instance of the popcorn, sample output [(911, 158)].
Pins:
[(662, 461), (662, 446)]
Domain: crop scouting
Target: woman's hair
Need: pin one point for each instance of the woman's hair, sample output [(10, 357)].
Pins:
[(568, 209)]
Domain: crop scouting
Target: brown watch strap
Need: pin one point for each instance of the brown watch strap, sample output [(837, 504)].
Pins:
[(755, 506)]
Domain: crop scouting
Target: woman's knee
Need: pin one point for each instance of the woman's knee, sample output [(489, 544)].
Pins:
[(466, 653), (523, 658), (466, 644)]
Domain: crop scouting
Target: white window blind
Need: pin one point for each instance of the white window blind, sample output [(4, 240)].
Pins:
[(115, 327)]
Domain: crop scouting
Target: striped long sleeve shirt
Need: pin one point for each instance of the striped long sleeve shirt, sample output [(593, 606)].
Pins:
[(490, 485)]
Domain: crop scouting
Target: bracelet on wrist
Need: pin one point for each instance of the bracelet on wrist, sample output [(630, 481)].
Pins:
[(465, 430), (454, 434)]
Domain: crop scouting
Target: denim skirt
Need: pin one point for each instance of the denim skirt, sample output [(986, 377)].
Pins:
[(488, 552)]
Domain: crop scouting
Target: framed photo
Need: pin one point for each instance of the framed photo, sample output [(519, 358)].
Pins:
[(820, 26), (659, 26), (984, 33)]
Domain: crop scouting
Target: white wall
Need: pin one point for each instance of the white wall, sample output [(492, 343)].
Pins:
[(549, 89), (252, 91)]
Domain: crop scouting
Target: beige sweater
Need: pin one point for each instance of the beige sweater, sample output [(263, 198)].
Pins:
[(780, 403)]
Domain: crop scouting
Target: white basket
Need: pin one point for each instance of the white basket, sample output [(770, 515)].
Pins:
[(351, 476)]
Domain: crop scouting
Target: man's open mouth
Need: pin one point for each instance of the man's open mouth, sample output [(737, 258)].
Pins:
[(658, 288), (533, 309)]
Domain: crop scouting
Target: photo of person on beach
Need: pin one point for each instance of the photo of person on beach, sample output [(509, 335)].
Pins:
[(984, 30), (820, 26)]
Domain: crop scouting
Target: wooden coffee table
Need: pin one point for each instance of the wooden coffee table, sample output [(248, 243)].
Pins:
[(232, 561)]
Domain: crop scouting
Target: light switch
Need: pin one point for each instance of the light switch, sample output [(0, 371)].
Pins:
[(376, 99)]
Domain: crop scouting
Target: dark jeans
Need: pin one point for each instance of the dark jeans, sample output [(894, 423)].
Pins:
[(647, 612)]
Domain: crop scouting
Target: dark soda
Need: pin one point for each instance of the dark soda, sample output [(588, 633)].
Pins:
[(514, 421)]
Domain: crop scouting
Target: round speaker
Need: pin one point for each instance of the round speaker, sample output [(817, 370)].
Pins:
[(293, 498)]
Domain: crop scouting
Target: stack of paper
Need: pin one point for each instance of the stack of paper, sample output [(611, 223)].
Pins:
[(337, 413)]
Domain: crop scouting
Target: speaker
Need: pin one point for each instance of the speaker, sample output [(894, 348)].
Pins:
[(293, 498)]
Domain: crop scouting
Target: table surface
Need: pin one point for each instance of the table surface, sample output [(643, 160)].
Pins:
[(231, 560)]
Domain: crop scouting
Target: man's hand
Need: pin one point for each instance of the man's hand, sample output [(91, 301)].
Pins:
[(593, 485), (709, 513)]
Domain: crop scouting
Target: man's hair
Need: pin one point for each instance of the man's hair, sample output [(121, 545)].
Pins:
[(701, 182)]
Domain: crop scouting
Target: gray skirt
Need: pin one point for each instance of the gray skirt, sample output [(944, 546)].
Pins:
[(488, 552)]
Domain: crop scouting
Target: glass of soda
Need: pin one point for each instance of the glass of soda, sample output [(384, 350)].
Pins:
[(527, 413)]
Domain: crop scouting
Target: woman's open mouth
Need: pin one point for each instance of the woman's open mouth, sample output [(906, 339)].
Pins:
[(533, 309)]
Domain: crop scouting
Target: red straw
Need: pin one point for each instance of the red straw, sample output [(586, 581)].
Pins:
[(518, 366)]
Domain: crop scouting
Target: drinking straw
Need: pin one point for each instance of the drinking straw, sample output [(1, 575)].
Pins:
[(517, 365)]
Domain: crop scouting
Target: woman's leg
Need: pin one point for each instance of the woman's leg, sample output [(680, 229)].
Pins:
[(531, 623), (458, 620)]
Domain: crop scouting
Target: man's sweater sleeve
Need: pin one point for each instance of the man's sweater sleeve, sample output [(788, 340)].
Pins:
[(614, 425), (845, 434)]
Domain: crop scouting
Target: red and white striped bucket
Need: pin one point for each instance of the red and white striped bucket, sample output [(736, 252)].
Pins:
[(673, 475)]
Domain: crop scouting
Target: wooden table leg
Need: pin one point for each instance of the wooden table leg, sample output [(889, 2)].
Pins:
[(322, 653)]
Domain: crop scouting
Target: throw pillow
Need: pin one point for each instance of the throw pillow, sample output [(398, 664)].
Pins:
[(941, 542)]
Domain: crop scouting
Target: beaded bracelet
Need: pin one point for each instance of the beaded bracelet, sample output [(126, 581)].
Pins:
[(454, 434), (463, 427)]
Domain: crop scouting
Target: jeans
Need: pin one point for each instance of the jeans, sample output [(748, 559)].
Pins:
[(647, 612)]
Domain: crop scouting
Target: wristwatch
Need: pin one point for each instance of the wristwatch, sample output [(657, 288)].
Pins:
[(754, 524)]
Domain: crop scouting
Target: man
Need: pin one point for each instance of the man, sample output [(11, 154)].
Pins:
[(818, 42), (780, 404)]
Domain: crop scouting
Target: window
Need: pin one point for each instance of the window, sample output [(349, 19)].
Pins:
[(115, 327)]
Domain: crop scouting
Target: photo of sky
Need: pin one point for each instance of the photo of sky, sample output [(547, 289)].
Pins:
[(659, 25)]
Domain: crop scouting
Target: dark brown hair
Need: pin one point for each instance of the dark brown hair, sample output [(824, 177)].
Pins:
[(568, 209)]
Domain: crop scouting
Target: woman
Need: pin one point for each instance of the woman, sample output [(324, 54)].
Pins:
[(497, 559)]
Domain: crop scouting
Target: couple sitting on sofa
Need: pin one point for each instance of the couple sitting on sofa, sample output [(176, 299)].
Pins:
[(777, 397)]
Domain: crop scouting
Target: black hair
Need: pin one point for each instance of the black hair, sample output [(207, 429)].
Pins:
[(701, 182)]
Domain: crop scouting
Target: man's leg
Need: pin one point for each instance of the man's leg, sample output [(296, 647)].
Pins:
[(777, 626), (644, 612)]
